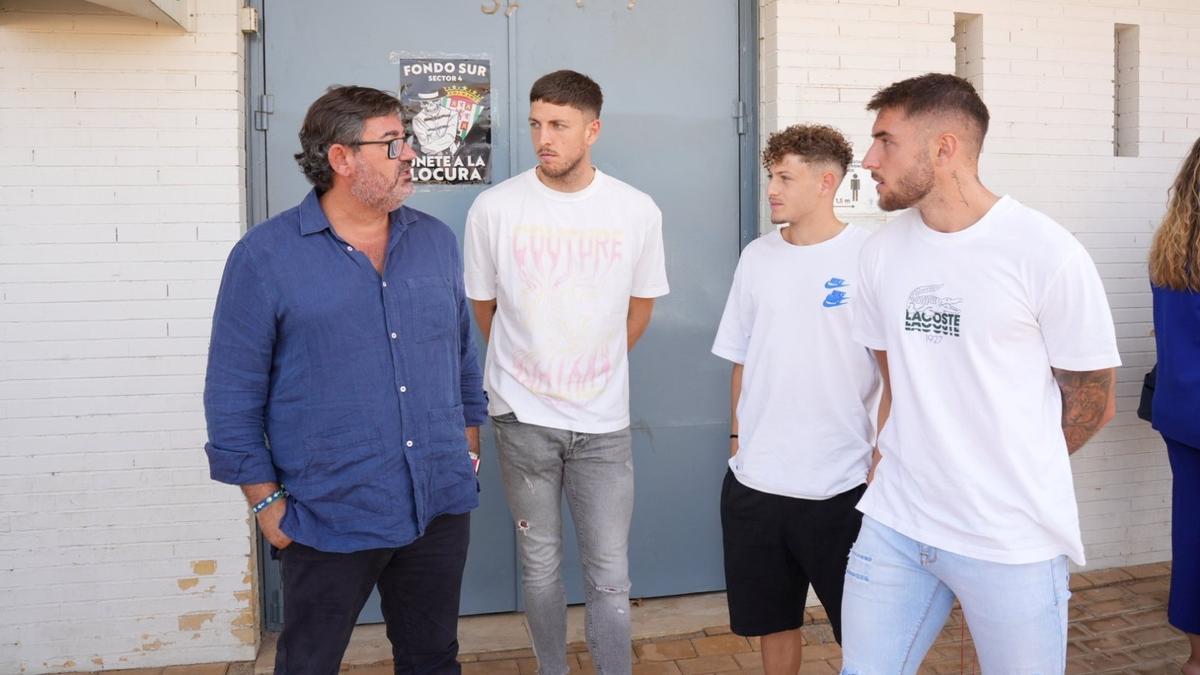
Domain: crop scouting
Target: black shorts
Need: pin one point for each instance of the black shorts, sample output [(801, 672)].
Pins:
[(775, 547)]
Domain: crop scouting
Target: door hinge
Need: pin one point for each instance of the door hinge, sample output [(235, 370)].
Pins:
[(263, 111), (248, 20), (739, 117)]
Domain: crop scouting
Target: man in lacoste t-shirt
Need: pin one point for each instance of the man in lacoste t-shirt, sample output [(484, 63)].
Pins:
[(995, 336)]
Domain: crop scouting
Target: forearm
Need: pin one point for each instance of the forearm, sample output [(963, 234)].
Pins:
[(485, 311), (1088, 403), (473, 439), (638, 318), (885, 409), (257, 492), (735, 394)]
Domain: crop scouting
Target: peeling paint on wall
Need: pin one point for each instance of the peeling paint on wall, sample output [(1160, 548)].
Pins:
[(187, 582), (195, 620), (204, 567), (244, 618), (244, 635)]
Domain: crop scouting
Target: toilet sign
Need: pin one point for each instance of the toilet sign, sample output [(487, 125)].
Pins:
[(856, 194)]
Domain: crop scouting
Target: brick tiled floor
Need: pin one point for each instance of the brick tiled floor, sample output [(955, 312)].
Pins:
[(1118, 625)]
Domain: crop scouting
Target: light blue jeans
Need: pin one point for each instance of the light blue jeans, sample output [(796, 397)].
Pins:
[(595, 471), (899, 592)]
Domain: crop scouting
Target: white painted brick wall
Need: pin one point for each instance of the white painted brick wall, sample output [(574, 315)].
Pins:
[(1047, 77), (121, 192)]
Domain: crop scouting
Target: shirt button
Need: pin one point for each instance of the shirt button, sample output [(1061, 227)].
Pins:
[(408, 444), (349, 248), (403, 389), (394, 336), (385, 284)]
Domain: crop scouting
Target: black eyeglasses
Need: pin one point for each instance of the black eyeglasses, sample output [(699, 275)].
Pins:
[(395, 147)]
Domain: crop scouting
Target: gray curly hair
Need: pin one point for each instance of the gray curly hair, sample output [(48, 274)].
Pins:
[(337, 117)]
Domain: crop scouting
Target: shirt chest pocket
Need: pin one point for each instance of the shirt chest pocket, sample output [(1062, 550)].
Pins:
[(433, 312)]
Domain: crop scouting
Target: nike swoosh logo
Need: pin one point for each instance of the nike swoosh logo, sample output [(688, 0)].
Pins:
[(835, 283), (835, 299)]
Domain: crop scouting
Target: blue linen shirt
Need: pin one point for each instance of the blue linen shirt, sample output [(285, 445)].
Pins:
[(350, 387)]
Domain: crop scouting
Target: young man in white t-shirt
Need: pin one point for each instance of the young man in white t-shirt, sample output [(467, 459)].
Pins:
[(993, 331), (803, 396), (563, 264)]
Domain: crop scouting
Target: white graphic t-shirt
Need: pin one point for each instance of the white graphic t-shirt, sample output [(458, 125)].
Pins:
[(974, 458), (562, 267), (809, 392)]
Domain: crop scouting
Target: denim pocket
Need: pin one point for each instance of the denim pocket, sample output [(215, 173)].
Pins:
[(506, 418), (1060, 570), (859, 566), (434, 312)]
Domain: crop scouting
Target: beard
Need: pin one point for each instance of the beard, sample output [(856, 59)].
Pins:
[(566, 170), (910, 189), (376, 191)]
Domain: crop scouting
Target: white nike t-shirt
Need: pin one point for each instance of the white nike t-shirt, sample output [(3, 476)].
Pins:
[(974, 458), (809, 392), (562, 267)]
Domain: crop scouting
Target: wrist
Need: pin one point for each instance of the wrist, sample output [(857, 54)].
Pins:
[(268, 500)]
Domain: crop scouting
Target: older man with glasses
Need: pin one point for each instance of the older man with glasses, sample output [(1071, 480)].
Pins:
[(344, 395)]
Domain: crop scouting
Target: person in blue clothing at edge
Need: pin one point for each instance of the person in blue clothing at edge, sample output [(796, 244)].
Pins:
[(1175, 280), (344, 395)]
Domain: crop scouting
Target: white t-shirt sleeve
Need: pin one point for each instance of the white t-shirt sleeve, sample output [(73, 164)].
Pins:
[(1075, 319), (650, 270), (869, 326), (733, 335), (479, 269)]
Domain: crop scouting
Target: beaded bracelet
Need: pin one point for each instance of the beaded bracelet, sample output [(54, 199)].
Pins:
[(270, 500)]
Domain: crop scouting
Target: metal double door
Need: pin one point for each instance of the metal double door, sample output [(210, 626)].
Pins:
[(672, 73)]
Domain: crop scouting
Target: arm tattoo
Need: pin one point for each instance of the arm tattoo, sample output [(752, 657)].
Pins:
[(1085, 403)]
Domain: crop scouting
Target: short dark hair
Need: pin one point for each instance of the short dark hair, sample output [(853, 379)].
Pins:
[(567, 87), (934, 93), (812, 142), (337, 117)]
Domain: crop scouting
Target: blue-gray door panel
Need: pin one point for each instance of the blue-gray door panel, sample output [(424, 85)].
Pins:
[(668, 130), (312, 44), (669, 72)]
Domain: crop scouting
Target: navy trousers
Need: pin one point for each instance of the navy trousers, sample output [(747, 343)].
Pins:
[(419, 586), (1183, 610)]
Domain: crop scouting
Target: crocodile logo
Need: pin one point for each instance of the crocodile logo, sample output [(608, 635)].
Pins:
[(936, 316)]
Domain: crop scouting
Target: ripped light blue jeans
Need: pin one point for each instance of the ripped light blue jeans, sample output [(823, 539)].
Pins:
[(898, 593), (595, 471)]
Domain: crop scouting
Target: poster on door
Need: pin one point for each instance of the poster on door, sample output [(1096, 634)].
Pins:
[(447, 107)]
